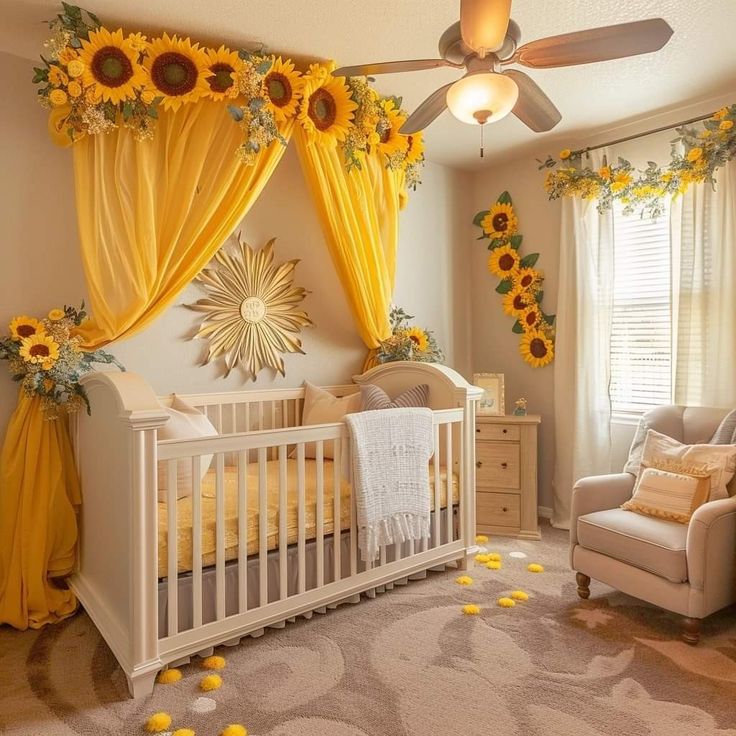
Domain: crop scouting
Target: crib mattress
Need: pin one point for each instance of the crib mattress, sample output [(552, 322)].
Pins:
[(184, 511)]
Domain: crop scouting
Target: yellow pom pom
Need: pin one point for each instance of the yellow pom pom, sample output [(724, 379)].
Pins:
[(214, 663), (481, 538), (494, 556), (506, 603), (471, 609), (464, 580), (534, 567), (158, 722), (482, 558), (166, 677), (210, 682), (183, 732), (519, 595), (493, 565), (234, 729)]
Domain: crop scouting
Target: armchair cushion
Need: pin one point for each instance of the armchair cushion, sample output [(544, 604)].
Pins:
[(654, 545)]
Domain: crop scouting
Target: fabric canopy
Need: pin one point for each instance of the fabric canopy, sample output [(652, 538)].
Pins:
[(151, 215)]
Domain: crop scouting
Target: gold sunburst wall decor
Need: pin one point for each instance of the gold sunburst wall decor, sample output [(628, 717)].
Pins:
[(251, 309)]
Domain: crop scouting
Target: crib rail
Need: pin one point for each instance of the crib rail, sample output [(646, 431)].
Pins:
[(283, 518)]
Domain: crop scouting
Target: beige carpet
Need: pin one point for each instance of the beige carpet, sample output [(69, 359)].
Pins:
[(408, 662)]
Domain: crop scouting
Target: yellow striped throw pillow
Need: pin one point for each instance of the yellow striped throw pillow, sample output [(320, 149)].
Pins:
[(670, 495)]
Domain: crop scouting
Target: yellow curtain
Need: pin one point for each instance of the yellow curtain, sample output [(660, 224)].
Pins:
[(151, 215), (359, 214)]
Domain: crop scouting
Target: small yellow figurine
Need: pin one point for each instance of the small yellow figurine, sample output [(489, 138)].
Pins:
[(520, 410)]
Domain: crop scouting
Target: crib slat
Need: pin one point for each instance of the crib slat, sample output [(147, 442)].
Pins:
[(437, 488), (242, 531), (260, 415), (449, 478), (220, 535), (247, 416), (353, 511), (284, 413), (220, 428), (262, 528), (233, 417), (197, 540), (336, 513), (320, 513), (172, 584), (301, 519), (283, 510)]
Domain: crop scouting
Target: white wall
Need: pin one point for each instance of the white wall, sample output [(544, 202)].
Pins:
[(42, 268)]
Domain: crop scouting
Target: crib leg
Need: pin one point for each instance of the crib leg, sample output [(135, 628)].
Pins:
[(465, 562), (141, 684)]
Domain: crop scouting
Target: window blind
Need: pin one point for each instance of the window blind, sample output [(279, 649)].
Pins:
[(641, 335)]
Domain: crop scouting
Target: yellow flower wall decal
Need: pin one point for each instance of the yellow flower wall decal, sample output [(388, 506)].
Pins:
[(251, 309)]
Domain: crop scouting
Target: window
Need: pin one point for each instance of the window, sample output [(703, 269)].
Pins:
[(641, 337)]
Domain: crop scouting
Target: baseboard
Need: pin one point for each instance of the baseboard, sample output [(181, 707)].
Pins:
[(544, 512)]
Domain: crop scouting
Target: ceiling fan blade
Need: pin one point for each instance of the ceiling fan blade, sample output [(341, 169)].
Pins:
[(596, 44), (426, 113), (391, 67), (483, 24), (533, 107)]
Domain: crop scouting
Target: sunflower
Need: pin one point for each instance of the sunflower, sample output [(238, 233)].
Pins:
[(526, 278), (415, 148), (284, 89), (223, 65), (39, 349), (178, 70), (326, 109), (536, 348), (503, 262), (500, 222), (56, 314), (111, 65), (516, 301), (418, 337), (531, 318), (22, 327), (390, 140)]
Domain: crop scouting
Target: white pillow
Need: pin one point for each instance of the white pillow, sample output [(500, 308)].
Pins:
[(322, 407), (718, 461), (185, 422)]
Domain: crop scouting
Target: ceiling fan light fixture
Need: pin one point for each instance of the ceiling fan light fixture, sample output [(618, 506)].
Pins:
[(482, 98)]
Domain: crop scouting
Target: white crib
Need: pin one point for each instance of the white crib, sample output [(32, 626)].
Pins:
[(266, 535)]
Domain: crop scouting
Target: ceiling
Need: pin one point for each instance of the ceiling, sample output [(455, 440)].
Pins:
[(698, 63)]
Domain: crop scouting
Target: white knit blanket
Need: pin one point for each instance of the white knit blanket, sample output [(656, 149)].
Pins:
[(391, 452)]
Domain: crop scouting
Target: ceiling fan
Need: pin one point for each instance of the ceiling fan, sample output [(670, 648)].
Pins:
[(485, 41)]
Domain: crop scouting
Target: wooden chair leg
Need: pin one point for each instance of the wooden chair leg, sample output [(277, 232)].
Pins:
[(583, 585), (691, 630)]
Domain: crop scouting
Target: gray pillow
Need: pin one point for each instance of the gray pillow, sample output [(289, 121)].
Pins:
[(726, 432), (374, 397)]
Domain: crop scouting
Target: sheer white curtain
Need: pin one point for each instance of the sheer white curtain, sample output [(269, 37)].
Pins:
[(582, 362), (703, 232)]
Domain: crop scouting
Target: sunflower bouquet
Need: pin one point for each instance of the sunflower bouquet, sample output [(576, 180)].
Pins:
[(696, 154), (94, 79), (520, 282), (408, 342), (45, 358)]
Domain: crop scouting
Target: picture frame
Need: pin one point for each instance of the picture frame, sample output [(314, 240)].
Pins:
[(493, 401)]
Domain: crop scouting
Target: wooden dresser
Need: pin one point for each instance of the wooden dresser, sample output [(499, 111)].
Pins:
[(506, 475)]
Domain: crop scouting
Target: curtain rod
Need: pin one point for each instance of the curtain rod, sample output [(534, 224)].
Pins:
[(645, 133)]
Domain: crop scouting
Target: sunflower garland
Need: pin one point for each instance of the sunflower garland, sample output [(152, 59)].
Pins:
[(96, 79), (45, 357), (520, 283), (408, 342), (695, 156)]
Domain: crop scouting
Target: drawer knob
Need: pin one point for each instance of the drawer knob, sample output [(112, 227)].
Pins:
[(477, 429), (504, 509), (504, 465), (505, 430), (478, 463)]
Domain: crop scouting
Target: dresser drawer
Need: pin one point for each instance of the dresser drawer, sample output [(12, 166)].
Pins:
[(497, 465), (503, 432), (497, 509)]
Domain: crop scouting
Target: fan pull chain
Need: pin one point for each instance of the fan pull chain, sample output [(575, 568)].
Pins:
[(481, 140)]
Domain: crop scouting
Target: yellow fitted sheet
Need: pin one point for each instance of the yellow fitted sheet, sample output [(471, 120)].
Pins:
[(184, 511)]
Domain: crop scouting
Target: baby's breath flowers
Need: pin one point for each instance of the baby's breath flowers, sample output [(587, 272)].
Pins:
[(45, 357), (408, 342)]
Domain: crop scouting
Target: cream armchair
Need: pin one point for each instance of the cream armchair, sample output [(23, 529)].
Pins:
[(689, 569)]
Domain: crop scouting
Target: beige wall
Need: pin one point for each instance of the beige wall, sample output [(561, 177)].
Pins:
[(42, 269)]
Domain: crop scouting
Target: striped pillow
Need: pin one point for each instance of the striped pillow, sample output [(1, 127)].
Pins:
[(670, 495), (374, 397)]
